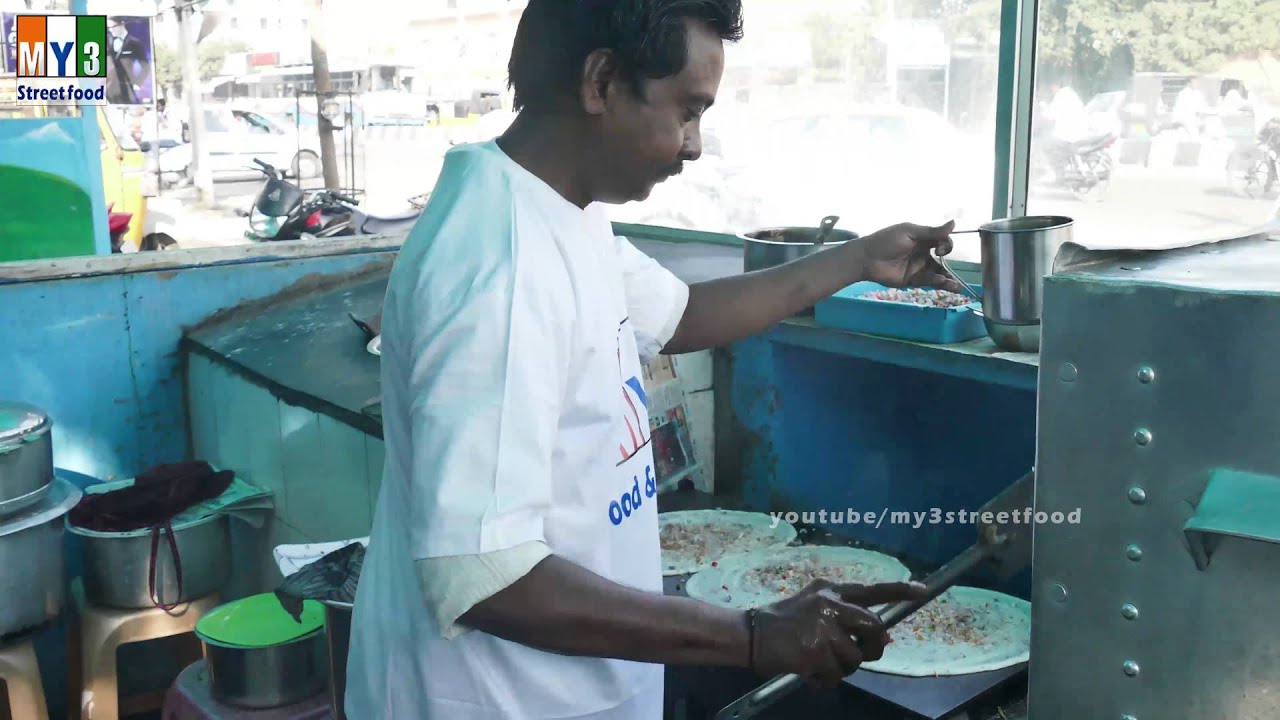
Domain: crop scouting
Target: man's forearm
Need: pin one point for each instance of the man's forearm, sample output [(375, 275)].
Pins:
[(729, 309), (563, 608)]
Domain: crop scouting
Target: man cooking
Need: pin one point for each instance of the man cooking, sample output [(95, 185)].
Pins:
[(514, 565)]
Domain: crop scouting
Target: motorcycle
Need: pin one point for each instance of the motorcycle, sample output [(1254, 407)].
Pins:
[(1082, 166), (291, 213)]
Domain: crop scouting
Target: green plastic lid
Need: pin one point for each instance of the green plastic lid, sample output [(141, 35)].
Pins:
[(258, 621)]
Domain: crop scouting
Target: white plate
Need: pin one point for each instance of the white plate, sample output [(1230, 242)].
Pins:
[(375, 346), (292, 558)]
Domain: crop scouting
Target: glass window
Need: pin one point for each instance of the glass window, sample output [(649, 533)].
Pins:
[(1165, 131), (877, 113)]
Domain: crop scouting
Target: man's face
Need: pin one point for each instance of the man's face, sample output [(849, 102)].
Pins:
[(117, 29), (646, 139)]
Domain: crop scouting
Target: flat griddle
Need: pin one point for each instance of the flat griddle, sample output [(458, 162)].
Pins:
[(922, 697), (926, 697)]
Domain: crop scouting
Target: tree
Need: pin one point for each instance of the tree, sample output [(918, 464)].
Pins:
[(1096, 45), (209, 59)]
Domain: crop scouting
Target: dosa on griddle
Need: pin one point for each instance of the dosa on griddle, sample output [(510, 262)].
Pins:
[(694, 539), (747, 580), (963, 631)]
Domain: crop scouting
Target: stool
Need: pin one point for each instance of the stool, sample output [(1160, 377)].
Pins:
[(191, 698), (21, 675), (102, 631)]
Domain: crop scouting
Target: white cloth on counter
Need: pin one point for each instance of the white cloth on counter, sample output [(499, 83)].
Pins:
[(453, 585), (514, 329), (292, 558)]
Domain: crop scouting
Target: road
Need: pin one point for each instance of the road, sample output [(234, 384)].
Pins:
[(1143, 207)]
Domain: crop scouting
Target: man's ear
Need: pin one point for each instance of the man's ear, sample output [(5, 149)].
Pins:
[(598, 72)]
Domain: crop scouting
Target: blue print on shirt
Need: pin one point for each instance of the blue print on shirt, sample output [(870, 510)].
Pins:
[(632, 501)]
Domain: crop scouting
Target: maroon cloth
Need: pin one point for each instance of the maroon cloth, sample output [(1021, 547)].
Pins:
[(155, 498)]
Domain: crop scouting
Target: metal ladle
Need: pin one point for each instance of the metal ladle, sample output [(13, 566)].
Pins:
[(825, 227), (952, 274)]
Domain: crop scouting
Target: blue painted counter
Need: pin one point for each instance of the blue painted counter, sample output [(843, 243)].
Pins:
[(820, 420)]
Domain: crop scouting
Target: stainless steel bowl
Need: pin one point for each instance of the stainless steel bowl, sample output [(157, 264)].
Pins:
[(267, 677), (26, 457), (762, 249), (1017, 254), (32, 563), (117, 566)]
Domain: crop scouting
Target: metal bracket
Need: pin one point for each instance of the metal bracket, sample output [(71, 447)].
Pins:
[(1235, 503)]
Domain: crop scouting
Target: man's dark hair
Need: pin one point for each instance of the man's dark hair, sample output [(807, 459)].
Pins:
[(647, 36)]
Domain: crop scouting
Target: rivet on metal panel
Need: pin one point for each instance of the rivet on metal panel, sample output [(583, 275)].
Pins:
[(1137, 495), (1146, 375), (1129, 611), (1142, 437), (1131, 668), (1133, 552), (1068, 372), (1058, 593)]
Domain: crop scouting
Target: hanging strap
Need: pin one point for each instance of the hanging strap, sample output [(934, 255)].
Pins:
[(167, 528)]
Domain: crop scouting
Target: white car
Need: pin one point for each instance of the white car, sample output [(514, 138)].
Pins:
[(237, 137), (873, 165)]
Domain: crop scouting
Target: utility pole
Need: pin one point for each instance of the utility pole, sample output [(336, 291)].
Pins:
[(192, 91), (324, 88)]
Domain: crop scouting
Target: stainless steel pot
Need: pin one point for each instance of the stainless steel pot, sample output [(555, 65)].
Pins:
[(32, 564), (1017, 254), (117, 566), (762, 249), (26, 457), (337, 623), (267, 677)]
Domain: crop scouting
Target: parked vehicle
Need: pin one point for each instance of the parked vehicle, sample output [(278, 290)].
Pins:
[(284, 211), (123, 167), (236, 137), (875, 164)]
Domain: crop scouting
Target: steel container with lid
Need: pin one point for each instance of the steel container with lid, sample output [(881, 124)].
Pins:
[(26, 457), (259, 657), (32, 563)]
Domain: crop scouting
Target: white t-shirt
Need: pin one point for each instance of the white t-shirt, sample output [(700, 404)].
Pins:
[(514, 329)]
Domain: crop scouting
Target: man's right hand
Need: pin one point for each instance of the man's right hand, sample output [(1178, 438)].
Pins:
[(825, 632)]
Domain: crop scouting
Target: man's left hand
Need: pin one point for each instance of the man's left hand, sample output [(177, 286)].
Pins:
[(900, 256)]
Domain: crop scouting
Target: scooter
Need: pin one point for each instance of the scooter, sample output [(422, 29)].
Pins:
[(290, 213)]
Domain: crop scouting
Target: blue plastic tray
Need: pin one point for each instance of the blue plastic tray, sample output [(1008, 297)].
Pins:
[(849, 310)]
